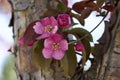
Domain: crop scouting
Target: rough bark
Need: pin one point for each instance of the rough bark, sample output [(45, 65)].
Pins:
[(106, 65), (26, 11), (110, 67)]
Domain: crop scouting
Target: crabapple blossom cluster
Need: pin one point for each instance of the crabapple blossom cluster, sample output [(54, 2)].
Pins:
[(54, 44), (50, 29)]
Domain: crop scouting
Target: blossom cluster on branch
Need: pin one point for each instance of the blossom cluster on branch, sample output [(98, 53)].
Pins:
[(51, 31)]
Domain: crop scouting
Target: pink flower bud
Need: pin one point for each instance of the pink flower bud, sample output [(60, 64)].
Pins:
[(64, 20), (79, 47)]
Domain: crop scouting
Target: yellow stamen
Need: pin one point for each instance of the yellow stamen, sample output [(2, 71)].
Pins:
[(56, 46), (48, 28)]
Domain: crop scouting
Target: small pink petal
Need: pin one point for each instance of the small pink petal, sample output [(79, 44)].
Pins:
[(38, 28), (47, 53), (54, 30), (58, 54), (45, 21), (48, 43), (45, 35), (56, 37), (53, 21), (64, 45)]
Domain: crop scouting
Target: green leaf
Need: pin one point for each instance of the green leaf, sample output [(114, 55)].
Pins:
[(84, 59), (81, 32), (87, 51), (79, 18), (9, 72), (62, 8), (69, 62), (38, 59)]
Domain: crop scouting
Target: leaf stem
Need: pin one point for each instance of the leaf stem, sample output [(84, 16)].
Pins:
[(86, 35)]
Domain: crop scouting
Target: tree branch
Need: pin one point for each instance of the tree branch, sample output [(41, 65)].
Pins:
[(90, 31)]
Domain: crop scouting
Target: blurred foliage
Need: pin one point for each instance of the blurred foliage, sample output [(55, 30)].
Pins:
[(9, 71)]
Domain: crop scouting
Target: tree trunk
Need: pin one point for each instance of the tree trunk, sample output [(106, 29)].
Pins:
[(25, 12), (106, 65)]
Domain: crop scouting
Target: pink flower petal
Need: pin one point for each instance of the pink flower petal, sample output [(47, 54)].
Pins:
[(48, 43), (64, 45), (56, 37), (54, 30), (47, 53), (53, 21), (58, 54), (51, 47), (38, 28), (45, 35), (46, 21)]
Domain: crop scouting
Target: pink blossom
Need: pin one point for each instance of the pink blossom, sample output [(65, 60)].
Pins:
[(55, 47), (46, 27), (79, 47), (64, 20)]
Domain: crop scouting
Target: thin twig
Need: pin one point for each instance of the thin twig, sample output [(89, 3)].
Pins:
[(86, 35)]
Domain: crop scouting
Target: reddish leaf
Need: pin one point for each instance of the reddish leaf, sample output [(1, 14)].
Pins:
[(65, 2), (79, 6), (100, 2), (29, 36), (79, 18), (108, 7), (93, 5), (86, 12)]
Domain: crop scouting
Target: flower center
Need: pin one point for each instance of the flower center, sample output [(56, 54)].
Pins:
[(48, 28), (64, 21), (56, 46)]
